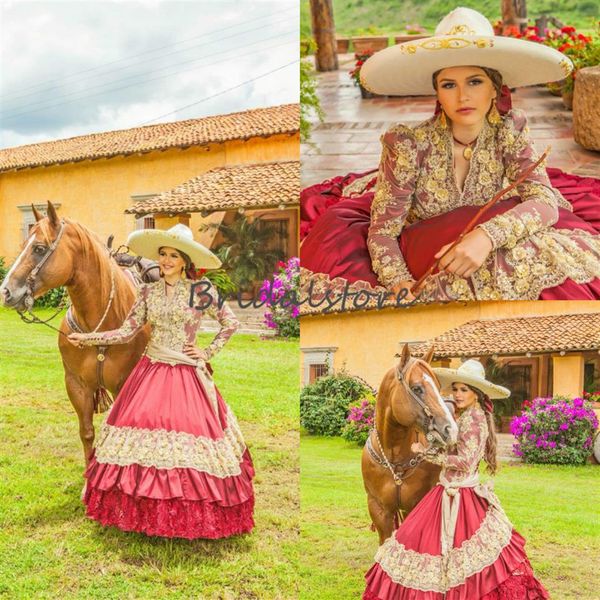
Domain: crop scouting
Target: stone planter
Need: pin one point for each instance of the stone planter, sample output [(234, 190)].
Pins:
[(567, 98), (409, 37), (586, 108), (343, 45), (363, 44)]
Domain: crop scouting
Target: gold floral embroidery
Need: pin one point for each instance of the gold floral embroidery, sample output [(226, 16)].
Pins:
[(172, 449), (174, 323), (454, 43), (437, 573)]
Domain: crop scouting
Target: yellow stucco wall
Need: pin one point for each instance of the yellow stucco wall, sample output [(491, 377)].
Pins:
[(366, 341), (567, 375), (96, 193)]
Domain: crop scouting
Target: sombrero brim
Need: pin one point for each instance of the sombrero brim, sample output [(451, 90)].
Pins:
[(146, 242), (448, 376), (406, 69)]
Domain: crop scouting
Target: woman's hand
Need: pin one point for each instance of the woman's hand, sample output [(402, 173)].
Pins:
[(76, 339), (194, 352), (401, 285), (468, 255)]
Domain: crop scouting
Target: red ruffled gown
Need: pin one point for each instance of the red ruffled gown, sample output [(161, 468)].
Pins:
[(483, 559), (375, 229), (170, 459)]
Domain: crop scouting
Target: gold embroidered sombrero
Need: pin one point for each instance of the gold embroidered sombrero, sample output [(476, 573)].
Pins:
[(472, 373), (146, 242), (463, 37)]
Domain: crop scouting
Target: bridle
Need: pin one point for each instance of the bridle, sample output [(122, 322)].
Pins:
[(30, 281), (400, 471)]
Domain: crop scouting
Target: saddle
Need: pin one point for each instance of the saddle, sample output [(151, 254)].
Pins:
[(141, 270)]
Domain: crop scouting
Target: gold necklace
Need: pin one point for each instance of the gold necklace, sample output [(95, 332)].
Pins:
[(468, 151)]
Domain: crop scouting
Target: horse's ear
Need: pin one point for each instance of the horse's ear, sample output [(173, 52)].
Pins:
[(429, 357), (52, 216), (405, 357), (36, 213)]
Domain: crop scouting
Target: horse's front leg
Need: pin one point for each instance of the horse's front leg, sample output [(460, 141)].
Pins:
[(382, 517), (82, 399)]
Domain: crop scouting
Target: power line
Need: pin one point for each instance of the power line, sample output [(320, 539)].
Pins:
[(219, 93), (74, 74), (26, 108), (125, 86)]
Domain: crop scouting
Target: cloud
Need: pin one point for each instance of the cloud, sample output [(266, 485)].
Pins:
[(71, 68)]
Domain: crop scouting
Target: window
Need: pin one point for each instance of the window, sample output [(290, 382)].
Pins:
[(317, 362), (29, 219), (149, 223)]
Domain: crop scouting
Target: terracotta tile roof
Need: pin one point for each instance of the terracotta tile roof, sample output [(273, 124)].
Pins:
[(249, 186), (259, 122), (517, 336)]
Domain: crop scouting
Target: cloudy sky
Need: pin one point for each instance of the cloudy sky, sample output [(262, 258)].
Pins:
[(69, 68)]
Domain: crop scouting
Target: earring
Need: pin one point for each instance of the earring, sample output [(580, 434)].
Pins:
[(494, 117), (443, 121), (160, 273), (182, 272)]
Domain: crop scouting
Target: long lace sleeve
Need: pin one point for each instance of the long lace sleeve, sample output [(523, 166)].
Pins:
[(472, 435), (393, 196), (226, 319), (133, 322), (538, 208)]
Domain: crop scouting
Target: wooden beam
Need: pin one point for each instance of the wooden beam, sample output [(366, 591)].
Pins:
[(323, 28)]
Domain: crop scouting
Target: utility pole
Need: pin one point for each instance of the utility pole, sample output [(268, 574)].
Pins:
[(323, 28)]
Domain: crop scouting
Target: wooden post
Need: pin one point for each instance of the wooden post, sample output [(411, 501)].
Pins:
[(514, 14), (323, 29)]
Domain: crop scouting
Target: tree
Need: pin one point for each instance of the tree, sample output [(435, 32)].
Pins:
[(323, 28)]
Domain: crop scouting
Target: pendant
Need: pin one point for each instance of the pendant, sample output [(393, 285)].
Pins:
[(468, 152)]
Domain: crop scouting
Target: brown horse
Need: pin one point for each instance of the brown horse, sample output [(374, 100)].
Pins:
[(408, 409), (62, 252)]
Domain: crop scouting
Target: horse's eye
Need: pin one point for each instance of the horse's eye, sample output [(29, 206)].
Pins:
[(39, 249), (417, 389)]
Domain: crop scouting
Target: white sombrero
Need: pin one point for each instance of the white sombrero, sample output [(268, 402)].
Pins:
[(146, 242), (464, 37), (472, 373)]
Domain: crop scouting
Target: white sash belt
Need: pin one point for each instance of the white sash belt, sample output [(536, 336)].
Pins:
[(450, 510), (167, 355)]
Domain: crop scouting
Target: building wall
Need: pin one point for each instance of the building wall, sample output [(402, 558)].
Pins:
[(96, 193), (367, 341)]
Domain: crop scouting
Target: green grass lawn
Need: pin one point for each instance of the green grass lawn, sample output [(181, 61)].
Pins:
[(555, 508), (49, 549)]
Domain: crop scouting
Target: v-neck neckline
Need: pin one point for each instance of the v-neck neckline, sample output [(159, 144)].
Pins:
[(451, 166), (169, 299)]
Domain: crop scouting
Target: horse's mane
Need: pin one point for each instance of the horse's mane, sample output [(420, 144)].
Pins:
[(92, 247)]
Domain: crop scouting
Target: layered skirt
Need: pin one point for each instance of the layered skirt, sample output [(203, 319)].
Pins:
[(335, 218), (487, 560), (166, 463)]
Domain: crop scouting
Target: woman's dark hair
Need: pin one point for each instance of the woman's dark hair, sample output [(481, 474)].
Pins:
[(190, 269), (495, 76), (491, 442)]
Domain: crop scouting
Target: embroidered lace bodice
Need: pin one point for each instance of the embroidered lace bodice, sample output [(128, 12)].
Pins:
[(470, 447), (174, 323), (416, 181)]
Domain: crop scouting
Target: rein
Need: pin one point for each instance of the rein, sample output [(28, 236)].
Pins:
[(416, 287)]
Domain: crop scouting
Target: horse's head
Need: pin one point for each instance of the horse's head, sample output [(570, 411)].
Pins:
[(46, 261), (416, 401)]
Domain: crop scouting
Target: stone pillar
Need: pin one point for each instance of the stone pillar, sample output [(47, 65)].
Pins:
[(586, 108), (567, 375)]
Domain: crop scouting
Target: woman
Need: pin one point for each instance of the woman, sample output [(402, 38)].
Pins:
[(433, 179), (457, 543), (170, 459)]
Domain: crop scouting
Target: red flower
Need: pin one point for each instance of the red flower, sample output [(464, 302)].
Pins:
[(583, 38), (564, 47), (568, 29)]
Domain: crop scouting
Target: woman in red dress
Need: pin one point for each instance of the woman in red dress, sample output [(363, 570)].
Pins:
[(170, 459), (385, 230), (457, 543)]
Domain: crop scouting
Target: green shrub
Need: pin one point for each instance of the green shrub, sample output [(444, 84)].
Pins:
[(324, 403)]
